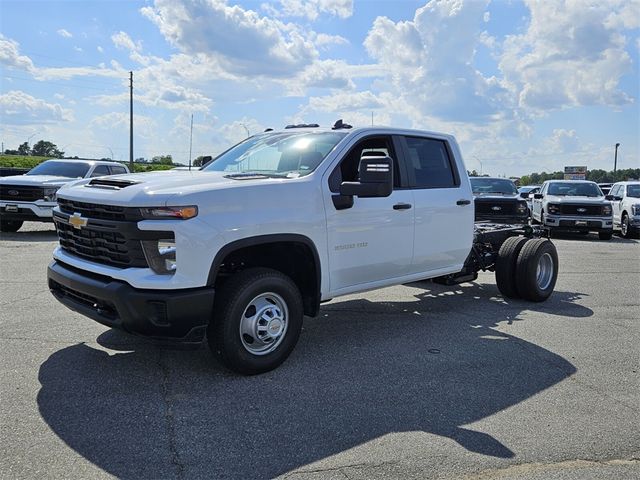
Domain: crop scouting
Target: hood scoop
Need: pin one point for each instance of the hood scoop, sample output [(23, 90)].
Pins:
[(110, 184)]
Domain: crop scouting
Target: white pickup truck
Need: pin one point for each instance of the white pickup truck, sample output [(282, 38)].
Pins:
[(32, 196), (241, 250)]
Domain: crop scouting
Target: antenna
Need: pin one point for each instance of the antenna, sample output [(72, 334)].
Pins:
[(190, 141)]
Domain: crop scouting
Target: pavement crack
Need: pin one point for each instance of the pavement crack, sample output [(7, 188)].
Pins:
[(39, 292), (539, 467), (341, 469), (169, 417)]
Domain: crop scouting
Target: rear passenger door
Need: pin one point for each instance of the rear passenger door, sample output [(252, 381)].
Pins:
[(444, 214)]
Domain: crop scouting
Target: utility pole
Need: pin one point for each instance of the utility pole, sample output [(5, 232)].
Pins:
[(190, 141), (615, 159), (131, 121), (372, 118)]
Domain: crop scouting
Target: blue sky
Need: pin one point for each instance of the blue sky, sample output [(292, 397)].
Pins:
[(525, 86)]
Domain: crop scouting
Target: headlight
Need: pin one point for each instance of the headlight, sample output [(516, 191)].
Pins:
[(522, 207), (553, 209), (161, 255), (172, 213), (635, 209), (606, 210), (49, 194)]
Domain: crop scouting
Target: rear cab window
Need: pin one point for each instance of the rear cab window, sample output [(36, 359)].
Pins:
[(429, 163)]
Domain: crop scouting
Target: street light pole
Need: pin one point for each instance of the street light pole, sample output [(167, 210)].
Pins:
[(245, 127), (615, 159)]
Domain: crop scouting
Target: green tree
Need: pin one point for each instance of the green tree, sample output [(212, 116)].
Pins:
[(162, 160), (46, 149), (24, 149)]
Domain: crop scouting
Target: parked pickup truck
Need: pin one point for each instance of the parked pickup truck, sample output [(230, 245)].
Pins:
[(241, 250), (625, 202), (573, 206), (497, 200), (32, 196)]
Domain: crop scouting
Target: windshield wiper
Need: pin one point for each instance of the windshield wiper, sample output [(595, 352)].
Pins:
[(251, 175)]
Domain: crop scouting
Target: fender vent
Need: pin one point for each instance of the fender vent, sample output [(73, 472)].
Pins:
[(112, 184)]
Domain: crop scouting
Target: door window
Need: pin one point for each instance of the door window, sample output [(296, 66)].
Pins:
[(347, 170), (429, 163), (100, 171), (117, 170)]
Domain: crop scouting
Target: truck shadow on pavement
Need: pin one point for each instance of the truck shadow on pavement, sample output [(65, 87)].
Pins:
[(361, 371), (30, 236)]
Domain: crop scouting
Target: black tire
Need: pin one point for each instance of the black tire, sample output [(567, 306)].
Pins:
[(531, 284), (605, 235), (232, 303), (506, 266), (10, 225), (625, 231)]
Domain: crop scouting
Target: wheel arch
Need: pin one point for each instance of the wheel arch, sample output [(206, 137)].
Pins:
[(291, 254)]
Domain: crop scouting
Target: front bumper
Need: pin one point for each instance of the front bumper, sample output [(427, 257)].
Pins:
[(166, 315), (27, 211), (579, 223), (506, 219)]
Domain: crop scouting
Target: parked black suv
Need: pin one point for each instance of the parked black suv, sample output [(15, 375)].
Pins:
[(497, 200)]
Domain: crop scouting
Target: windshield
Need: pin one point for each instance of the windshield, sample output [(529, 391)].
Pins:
[(493, 185), (282, 154), (575, 189), (633, 191), (61, 169)]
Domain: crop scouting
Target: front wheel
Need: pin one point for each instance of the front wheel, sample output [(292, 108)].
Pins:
[(537, 270), (605, 235), (257, 320), (10, 225)]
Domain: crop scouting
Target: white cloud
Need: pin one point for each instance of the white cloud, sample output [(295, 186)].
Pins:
[(310, 9), (123, 40), (77, 49), (569, 56), (432, 67), (236, 131), (10, 56), (241, 41), (20, 108), (143, 126), (100, 49), (340, 102), (64, 33), (322, 40)]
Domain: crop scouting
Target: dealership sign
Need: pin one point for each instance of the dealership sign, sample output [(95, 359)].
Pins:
[(575, 173)]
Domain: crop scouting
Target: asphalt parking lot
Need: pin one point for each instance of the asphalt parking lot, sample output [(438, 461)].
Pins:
[(419, 381)]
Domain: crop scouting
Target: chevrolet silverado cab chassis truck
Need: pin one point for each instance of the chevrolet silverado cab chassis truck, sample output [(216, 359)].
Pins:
[(239, 251)]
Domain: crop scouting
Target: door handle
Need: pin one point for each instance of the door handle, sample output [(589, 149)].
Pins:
[(463, 202), (402, 206)]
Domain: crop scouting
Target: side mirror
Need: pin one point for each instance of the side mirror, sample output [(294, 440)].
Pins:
[(609, 197), (524, 195), (617, 199), (538, 196), (376, 179)]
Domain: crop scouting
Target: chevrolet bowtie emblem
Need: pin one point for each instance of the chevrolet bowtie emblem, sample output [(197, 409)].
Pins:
[(77, 221)]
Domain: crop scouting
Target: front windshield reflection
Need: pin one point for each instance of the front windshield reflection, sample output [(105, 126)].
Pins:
[(282, 154)]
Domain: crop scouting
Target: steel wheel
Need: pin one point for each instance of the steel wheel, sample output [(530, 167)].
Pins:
[(264, 323), (544, 271)]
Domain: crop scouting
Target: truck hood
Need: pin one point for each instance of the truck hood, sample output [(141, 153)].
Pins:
[(490, 197), (580, 200), (37, 180), (157, 188)]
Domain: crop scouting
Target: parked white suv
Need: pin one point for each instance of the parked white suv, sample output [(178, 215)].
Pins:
[(573, 205), (32, 196), (274, 226), (626, 208)]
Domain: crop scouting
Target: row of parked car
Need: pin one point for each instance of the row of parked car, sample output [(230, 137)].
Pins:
[(560, 205)]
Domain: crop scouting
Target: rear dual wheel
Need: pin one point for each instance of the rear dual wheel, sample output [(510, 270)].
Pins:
[(527, 269)]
